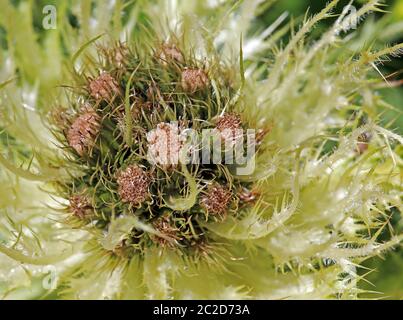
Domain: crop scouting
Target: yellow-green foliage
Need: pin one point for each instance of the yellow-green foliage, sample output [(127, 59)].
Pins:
[(328, 173)]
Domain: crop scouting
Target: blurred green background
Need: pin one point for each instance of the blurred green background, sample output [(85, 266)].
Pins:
[(379, 29)]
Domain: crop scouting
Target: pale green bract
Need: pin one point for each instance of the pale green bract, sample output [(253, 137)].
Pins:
[(323, 210)]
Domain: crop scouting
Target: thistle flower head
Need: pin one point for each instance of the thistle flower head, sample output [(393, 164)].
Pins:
[(167, 232), (194, 80), (83, 131), (80, 206), (229, 125), (216, 200), (165, 144), (144, 132), (302, 210), (133, 185), (103, 87)]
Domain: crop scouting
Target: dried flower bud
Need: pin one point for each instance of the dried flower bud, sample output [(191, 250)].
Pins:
[(165, 227), (230, 127), (133, 185), (80, 206), (83, 131), (362, 142), (165, 144), (248, 196), (194, 80), (104, 87), (170, 52), (216, 200)]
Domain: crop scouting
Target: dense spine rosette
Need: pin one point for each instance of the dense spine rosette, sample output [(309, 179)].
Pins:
[(136, 164)]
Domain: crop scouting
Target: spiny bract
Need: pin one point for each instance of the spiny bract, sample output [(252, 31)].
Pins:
[(95, 192)]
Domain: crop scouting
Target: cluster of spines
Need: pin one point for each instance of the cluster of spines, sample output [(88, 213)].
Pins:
[(96, 135)]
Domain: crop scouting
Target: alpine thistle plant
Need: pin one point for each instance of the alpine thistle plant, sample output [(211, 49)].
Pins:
[(96, 189)]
